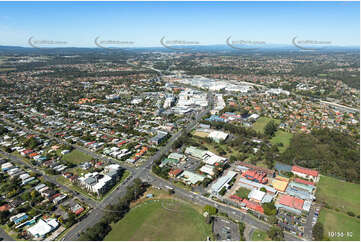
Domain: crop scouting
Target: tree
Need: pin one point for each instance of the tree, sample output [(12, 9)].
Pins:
[(270, 128), (242, 227), (275, 233), (210, 210), (4, 216), (272, 219), (34, 194), (317, 231), (269, 208)]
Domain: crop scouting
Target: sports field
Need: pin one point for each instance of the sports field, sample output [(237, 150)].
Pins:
[(282, 137), (339, 194), (262, 122), (348, 227), (77, 157), (161, 220)]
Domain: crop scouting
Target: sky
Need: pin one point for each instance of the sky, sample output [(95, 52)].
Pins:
[(77, 24)]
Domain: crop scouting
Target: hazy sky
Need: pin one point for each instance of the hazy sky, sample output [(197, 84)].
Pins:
[(145, 23)]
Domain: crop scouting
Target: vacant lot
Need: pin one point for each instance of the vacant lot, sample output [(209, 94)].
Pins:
[(282, 137), (339, 222), (262, 122), (77, 157), (339, 194), (161, 220)]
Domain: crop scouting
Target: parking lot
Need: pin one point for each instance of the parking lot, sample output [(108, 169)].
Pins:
[(293, 223), (225, 229)]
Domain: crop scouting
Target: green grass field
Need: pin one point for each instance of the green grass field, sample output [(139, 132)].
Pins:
[(259, 235), (262, 122), (77, 157), (339, 222), (282, 137), (151, 221), (339, 194)]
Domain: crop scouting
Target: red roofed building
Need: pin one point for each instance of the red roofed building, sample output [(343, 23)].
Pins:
[(175, 173), (26, 152), (290, 201), (299, 180), (253, 206), (5, 207), (79, 211), (306, 173), (238, 199), (33, 155)]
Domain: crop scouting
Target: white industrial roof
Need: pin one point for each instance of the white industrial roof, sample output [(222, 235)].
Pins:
[(256, 195)]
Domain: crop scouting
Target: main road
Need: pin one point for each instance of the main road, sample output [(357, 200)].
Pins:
[(141, 172)]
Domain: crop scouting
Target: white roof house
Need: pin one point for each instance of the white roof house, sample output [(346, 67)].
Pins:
[(42, 228)]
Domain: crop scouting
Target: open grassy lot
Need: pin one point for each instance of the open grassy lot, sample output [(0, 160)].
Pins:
[(339, 222), (259, 235), (200, 134), (282, 137), (339, 194), (161, 220), (262, 122), (77, 157)]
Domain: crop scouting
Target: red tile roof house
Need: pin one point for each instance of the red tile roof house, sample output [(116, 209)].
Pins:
[(253, 206), (26, 152), (175, 173), (306, 173), (5, 207)]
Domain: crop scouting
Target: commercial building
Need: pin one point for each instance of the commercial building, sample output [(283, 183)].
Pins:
[(290, 204), (222, 182), (208, 169), (306, 173), (161, 135), (191, 178), (243, 182), (280, 183)]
